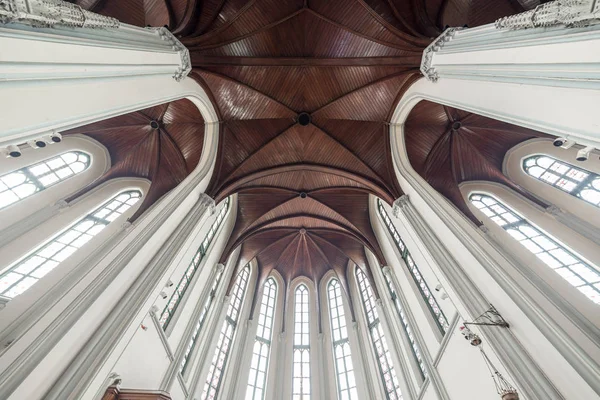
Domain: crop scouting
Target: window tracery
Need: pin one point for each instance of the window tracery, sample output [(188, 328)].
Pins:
[(301, 350), (207, 306), (576, 181), (562, 260), (184, 282), (344, 368), (225, 341), (259, 365), (416, 351), (382, 352), (38, 263), (24, 182), (430, 301)]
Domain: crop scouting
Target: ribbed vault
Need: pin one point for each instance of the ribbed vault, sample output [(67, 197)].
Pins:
[(304, 90)]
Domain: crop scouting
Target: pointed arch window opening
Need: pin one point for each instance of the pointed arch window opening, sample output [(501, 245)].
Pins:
[(434, 308), (27, 181), (576, 181), (346, 382), (167, 315), (226, 336), (382, 352), (301, 383), (415, 349), (199, 325), (583, 276), (22, 275), (259, 365)]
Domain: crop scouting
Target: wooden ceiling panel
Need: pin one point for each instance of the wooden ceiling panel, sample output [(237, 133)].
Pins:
[(447, 146)]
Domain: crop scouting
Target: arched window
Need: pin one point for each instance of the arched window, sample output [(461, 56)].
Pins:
[(207, 306), (382, 352), (301, 352), (432, 304), (184, 283), (573, 180), (257, 379), (407, 328), (223, 350), (578, 273), (27, 181), (32, 268), (341, 345)]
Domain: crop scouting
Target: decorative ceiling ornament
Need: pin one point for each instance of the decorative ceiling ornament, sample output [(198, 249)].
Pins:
[(186, 65), (570, 13), (50, 13), (426, 69)]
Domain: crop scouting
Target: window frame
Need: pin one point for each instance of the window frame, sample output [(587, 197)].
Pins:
[(301, 348), (520, 220), (344, 342)]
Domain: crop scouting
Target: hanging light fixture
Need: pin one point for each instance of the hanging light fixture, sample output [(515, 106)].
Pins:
[(490, 318)]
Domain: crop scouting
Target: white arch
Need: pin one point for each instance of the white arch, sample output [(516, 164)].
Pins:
[(544, 319), (512, 167), (99, 164)]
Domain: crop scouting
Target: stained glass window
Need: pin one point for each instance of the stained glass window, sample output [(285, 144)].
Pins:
[(182, 286), (432, 304), (301, 355), (207, 306), (382, 352), (566, 177), (257, 379), (407, 328), (341, 345), (223, 350), (26, 181), (44, 259), (564, 261)]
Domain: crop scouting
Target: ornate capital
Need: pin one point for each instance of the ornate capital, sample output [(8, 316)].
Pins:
[(219, 267), (186, 64), (399, 203), (386, 269), (426, 62), (570, 13), (51, 13), (208, 202), (484, 229)]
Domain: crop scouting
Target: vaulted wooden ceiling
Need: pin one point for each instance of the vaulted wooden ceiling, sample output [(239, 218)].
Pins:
[(304, 90), (162, 144), (447, 146)]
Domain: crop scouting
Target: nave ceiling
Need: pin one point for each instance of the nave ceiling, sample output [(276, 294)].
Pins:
[(304, 91)]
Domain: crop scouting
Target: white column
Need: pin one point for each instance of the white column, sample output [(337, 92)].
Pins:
[(434, 376), (542, 78), (76, 72), (171, 374), (524, 371)]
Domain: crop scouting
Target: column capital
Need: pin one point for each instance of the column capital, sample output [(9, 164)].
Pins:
[(553, 210), (208, 202), (426, 62), (186, 64), (219, 267), (386, 269), (570, 13), (399, 203), (51, 13)]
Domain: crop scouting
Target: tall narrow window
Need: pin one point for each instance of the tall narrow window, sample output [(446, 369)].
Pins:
[(432, 304), (578, 273), (257, 380), (382, 352), (407, 328), (44, 259), (24, 182), (341, 345), (301, 355), (207, 306), (223, 350), (184, 283), (566, 177)]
